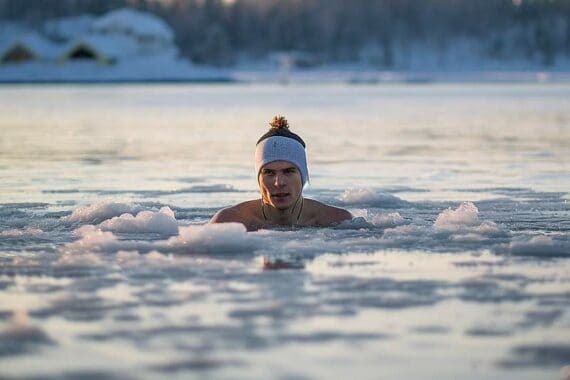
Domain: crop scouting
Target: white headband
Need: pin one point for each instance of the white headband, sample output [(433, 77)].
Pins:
[(280, 148)]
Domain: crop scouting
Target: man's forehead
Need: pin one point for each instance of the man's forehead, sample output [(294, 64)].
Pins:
[(279, 165)]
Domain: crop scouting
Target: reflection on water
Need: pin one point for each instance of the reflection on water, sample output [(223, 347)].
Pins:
[(457, 260)]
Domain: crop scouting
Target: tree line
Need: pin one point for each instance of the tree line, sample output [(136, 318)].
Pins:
[(219, 32)]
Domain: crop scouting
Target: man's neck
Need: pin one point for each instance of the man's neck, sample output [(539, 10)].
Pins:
[(287, 217)]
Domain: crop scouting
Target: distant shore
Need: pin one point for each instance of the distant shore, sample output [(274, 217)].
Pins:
[(334, 74), (116, 81), (361, 79)]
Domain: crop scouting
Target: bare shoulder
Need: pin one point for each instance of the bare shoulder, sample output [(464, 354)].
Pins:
[(240, 213), (226, 215), (325, 215)]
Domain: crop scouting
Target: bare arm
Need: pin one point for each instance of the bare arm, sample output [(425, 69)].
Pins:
[(337, 215)]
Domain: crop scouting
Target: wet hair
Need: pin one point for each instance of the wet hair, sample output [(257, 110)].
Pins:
[(280, 127)]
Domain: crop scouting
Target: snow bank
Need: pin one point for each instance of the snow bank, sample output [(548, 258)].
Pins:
[(98, 212), (162, 67), (368, 197), (134, 22), (539, 246), (162, 222)]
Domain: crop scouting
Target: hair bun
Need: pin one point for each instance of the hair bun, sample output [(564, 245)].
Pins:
[(279, 122)]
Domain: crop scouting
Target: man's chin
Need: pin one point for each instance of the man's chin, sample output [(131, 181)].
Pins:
[(281, 206), (281, 203)]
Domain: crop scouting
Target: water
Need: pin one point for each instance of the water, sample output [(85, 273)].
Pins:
[(456, 267)]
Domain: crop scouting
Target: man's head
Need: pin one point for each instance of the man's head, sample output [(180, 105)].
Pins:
[(280, 184), (281, 146)]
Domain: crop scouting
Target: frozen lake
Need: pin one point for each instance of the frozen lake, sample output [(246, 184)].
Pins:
[(456, 267)]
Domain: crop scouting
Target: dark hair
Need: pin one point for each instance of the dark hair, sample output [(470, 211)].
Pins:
[(280, 127)]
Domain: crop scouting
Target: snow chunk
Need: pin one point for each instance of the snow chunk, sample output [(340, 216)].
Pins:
[(209, 238), (539, 246), (98, 212), (370, 197), (390, 220), (359, 212), (212, 238), (463, 222), (162, 222), (466, 214), (93, 239)]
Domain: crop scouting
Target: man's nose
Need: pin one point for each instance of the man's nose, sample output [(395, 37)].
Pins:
[(280, 180)]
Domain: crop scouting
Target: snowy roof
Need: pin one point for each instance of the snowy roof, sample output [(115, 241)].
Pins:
[(107, 47), (9, 31), (69, 27), (39, 46), (134, 22)]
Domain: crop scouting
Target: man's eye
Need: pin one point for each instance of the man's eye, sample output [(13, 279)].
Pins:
[(290, 171)]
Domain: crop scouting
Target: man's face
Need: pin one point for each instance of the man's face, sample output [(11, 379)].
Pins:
[(280, 184)]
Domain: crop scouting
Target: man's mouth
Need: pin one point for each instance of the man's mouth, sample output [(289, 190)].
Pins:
[(279, 195)]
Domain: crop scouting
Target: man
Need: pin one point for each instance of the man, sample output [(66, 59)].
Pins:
[(281, 168)]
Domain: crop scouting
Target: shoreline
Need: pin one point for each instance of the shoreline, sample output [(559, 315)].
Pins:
[(348, 77), (117, 81), (410, 82)]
